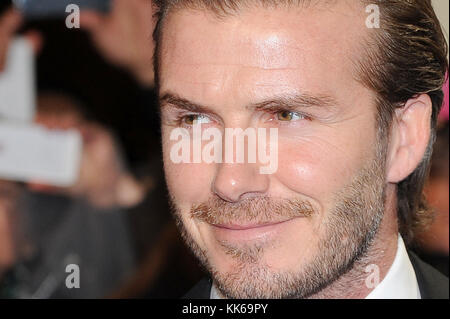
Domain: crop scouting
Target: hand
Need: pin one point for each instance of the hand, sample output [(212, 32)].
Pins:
[(103, 180), (9, 22), (124, 36), (9, 192)]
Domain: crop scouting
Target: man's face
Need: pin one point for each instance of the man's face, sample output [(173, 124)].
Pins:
[(290, 233)]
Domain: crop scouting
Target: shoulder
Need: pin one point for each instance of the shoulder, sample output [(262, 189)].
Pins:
[(432, 284), (201, 290)]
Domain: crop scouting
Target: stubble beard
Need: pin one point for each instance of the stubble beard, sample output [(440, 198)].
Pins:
[(351, 228)]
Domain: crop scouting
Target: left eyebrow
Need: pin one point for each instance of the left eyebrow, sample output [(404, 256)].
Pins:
[(294, 102)]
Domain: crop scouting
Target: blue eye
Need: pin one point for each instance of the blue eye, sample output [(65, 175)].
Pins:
[(287, 116)]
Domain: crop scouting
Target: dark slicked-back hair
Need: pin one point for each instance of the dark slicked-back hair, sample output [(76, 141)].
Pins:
[(405, 57)]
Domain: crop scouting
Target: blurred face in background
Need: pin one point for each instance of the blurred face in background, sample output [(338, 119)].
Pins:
[(101, 163), (290, 233)]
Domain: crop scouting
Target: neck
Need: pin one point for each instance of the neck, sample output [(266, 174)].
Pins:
[(380, 256)]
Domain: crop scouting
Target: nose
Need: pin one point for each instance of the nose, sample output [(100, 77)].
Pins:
[(236, 182)]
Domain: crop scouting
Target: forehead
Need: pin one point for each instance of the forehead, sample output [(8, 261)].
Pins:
[(262, 51)]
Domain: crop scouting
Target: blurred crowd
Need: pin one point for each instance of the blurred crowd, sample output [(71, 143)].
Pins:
[(114, 222)]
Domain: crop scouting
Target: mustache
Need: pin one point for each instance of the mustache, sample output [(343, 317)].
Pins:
[(258, 210)]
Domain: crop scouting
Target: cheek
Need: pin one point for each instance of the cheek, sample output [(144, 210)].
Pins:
[(317, 168), (187, 183)]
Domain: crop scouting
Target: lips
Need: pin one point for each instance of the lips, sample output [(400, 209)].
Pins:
[(239, 232), (235, 226)]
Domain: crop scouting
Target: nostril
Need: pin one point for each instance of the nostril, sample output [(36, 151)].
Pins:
[(234, 182)]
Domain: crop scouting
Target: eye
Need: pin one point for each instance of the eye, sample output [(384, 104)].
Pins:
[(192, 119), (287, 116)]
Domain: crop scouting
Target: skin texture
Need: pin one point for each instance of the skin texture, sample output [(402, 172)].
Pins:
[(227, 64)]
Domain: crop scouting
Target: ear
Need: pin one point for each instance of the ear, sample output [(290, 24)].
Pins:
[(410, 135)]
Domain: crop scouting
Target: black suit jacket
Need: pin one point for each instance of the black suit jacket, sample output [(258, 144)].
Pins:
[(432, 284)]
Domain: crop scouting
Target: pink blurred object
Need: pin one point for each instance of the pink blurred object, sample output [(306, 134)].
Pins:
[(443, 116)]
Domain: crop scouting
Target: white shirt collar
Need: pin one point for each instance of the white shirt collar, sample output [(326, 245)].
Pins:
[(214, 293), (400, 281)]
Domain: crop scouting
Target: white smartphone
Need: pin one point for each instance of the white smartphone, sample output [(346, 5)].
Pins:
[(33, 153), (17, 83)]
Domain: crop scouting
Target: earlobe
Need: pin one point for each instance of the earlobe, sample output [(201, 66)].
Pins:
[(410, 136)]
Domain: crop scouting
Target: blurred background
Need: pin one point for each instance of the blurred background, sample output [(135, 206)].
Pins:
[(92, 84), (81, 178)]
